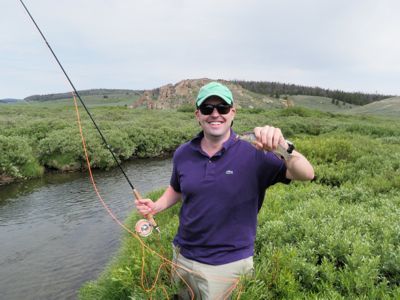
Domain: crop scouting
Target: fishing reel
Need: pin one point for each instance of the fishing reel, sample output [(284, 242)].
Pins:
[(143, 227)]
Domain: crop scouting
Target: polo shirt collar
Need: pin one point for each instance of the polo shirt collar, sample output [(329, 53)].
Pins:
[(195, 142)]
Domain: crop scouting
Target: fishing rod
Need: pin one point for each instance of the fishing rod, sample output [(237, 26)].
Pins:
[(143, 227)]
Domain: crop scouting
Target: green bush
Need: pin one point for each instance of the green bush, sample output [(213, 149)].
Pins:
[(335, 238), (17, 159)]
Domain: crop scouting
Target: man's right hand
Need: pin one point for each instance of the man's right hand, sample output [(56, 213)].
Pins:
[(145, 207)]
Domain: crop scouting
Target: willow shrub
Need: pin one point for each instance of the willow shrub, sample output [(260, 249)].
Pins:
[(320, 242), (313, 242), (17, 159), (337, 237)]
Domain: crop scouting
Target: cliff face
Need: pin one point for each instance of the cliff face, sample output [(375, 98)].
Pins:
[(185, 92), (171, 96)]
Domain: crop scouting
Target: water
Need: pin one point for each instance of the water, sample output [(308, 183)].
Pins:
[(54, 233)]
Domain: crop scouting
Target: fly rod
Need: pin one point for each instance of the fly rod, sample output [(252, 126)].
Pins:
[(150, 219)]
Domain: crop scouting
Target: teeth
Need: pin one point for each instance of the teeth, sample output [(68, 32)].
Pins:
[(215, 123)]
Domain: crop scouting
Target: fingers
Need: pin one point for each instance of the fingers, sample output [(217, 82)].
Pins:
[(145, 206), (268, 137)]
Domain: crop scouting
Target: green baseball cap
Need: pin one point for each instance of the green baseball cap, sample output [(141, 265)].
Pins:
[(214, 89)]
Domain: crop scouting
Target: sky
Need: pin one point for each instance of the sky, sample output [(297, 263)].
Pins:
[(351, 45)]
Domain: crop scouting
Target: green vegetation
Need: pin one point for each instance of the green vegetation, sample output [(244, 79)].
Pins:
[(321, 104), (335, 238), (34, 137), (122, 279), (387, 107)]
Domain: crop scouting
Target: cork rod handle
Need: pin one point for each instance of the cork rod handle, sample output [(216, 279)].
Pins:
[(149, 217)]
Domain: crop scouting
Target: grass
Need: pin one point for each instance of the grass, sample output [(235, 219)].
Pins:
[(321, 104), (388, 107)]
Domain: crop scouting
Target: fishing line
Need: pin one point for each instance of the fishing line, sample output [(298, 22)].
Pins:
[(150, 218), (147, 225), (79, 97)]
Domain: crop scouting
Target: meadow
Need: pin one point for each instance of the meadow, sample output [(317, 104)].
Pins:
[(337, 237)]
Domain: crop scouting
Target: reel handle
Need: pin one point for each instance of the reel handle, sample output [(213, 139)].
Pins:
[(149, 217)]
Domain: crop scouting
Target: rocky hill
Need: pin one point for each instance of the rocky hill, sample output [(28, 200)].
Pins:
[(185, 92)]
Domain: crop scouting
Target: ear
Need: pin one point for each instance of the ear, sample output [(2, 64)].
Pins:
[(197, 114)]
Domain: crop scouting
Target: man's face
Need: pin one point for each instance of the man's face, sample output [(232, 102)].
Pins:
[(215, 124)]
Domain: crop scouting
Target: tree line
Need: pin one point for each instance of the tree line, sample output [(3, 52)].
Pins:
[(276, 89)]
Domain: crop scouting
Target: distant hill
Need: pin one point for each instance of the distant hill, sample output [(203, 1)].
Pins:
[(185, 93), (10, 100), (92, 92), (388, 107), (320, 103), (275, 89)]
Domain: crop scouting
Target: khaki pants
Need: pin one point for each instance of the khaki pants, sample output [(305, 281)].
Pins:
[(208, 282)]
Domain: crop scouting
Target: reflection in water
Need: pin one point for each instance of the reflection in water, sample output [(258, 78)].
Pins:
[(54, 233)]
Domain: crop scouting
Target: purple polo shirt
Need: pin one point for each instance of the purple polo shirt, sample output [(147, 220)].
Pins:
[(221, 197)]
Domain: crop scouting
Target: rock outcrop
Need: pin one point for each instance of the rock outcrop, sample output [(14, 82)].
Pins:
[(185, 93)]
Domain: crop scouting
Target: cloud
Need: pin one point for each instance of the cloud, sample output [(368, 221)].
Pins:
[(349, 45)]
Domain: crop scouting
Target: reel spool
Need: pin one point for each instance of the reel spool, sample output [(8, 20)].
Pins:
[(143, 227)]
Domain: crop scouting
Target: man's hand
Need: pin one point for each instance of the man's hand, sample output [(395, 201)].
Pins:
[(268, 138), (146, 207)]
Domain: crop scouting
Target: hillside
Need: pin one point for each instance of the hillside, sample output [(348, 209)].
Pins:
[(11, 100), (185, 92), (93, 97), (320, 103), (100, 93), (277, 88), (388, 107)]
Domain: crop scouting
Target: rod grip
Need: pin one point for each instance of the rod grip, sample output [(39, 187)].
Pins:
[(149, 217)]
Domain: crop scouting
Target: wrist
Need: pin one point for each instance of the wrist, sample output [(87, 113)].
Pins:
[(285, 150)]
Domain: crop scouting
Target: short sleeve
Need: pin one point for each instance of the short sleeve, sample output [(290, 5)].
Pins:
[(174, 181), (273, 170)]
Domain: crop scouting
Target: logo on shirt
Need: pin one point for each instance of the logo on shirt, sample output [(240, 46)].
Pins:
[(228, 172)]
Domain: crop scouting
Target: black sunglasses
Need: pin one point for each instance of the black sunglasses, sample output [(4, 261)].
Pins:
[(207, 109)]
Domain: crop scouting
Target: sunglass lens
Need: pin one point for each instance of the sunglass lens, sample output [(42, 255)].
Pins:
[(223, 108), (207, 109)]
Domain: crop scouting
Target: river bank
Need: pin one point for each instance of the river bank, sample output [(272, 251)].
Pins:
[(55, 233), (80, 167), (35, 140)]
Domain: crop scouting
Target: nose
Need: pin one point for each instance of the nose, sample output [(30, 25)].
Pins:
[(215, 112)]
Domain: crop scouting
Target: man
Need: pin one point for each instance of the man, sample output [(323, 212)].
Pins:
[(221, 180)]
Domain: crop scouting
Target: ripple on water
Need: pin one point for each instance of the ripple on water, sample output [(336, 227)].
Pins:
[(55, 235)]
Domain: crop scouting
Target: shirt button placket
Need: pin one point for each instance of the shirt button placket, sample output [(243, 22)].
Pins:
[(210, 169)]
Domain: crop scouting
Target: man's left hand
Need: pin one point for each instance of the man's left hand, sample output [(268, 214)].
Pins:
[(269, 137)]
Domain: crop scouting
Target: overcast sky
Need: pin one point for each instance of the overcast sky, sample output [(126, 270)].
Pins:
[(339, 44)]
